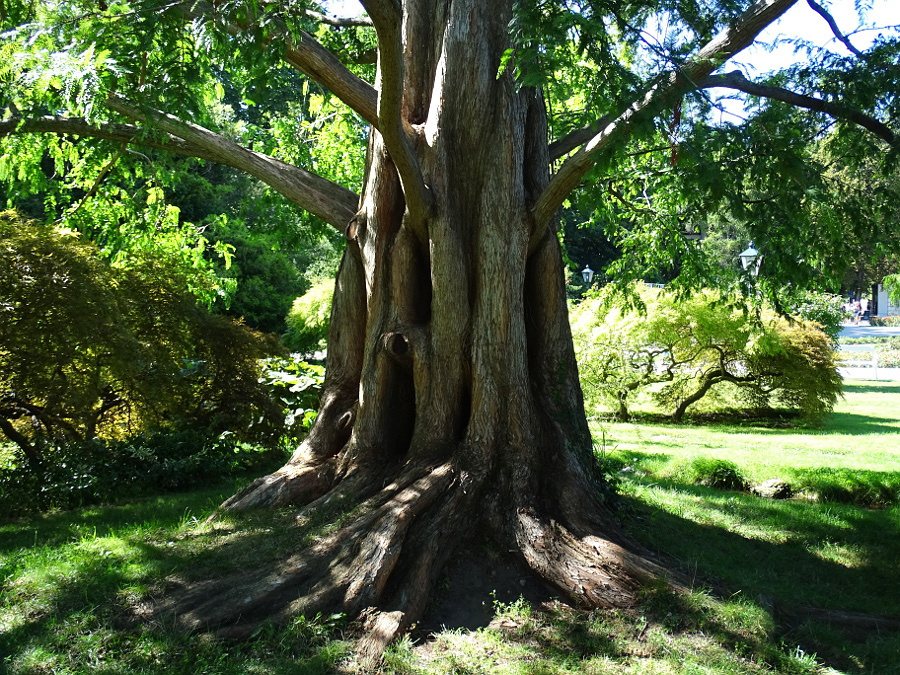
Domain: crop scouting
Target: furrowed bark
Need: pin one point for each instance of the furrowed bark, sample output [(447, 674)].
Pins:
[(452, 403)]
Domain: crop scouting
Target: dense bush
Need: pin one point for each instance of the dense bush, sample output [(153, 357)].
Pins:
[(309, 318), (884, 320), (684, 350), (91, 349), (266, 281), (825, 309), (100, 471)]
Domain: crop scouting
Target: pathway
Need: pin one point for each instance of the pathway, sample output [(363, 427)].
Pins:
[(864, 330)]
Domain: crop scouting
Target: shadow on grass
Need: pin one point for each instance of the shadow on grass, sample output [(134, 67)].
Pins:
[(852, 424), (86, 620), (885, 388), (803, 569), (68, 603)]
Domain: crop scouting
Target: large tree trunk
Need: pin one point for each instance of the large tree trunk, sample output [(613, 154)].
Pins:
[(452, 402)]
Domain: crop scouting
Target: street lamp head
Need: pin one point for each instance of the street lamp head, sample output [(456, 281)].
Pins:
[(750, 259), (587, 274)]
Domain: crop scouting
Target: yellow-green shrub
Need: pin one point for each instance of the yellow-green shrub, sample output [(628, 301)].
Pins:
[(682, 350), (309, 318)]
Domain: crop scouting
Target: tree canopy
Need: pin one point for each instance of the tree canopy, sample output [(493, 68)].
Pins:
[(286, 93)]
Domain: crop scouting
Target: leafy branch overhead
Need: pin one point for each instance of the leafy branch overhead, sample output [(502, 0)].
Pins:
[(151, 73)]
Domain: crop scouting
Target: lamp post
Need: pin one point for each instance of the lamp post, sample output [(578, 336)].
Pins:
[(587, 274)]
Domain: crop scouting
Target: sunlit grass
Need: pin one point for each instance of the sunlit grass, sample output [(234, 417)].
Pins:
[(77, 585), (857, 448)]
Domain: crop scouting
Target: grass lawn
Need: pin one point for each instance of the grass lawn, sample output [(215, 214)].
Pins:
[(75, 586)]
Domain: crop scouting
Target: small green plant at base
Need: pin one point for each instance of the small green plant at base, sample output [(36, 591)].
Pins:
[(296, 385), (716, 473)]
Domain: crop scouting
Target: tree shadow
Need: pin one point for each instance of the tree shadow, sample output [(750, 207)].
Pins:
[(853, 424), (107, 596), (885, 388), (96, 597), (792, 573)]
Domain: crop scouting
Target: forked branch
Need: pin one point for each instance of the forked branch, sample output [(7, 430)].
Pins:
[(395, 129), (664, 91)]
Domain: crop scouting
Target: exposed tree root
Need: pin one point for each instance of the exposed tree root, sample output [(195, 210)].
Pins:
[(291, 484), (594, 572), (348, 571), (381, 567)]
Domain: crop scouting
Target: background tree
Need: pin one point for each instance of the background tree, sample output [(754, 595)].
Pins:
[(682, 351), (451, 402), (92, 350)]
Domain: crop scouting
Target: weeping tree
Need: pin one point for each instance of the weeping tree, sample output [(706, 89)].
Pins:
[(451, 402)]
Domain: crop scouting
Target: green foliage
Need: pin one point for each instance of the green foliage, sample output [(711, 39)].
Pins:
[(825, 309), (104, 471), (266, 282), (869, 489), (713, 472), (889, 321), (686, 348), (92, 349), (309, 319), (296, 386)]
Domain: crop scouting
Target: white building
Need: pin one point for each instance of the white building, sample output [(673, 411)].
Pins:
[(883, 303)]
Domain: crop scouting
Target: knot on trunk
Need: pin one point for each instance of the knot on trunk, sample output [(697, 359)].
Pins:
[(355, 227), (399, 346)]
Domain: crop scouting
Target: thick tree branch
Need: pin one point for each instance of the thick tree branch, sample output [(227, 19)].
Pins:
[(821, 11), (110, 131), (316, 62), (668, 88), (565, 145), (736, 80), (339, 21), (308, 56), (332, 203), (395, 129)]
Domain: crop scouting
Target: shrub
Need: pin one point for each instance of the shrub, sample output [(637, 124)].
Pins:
[(99, 471), (889, 321), (716, 473), (266, 281), (684, 350), (309, 318), (825, 309), (93, 350)]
